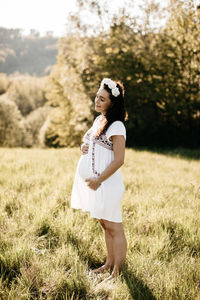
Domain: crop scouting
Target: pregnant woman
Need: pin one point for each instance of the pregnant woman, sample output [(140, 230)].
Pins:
[(98, 185)]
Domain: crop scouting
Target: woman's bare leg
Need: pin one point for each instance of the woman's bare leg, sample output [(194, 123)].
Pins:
[(119, 245), (110, 254), (110, 250)]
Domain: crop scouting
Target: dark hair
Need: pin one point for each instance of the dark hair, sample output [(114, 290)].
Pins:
[(117, 111)]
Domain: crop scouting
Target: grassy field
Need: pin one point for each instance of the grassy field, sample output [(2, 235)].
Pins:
[(47, 249)]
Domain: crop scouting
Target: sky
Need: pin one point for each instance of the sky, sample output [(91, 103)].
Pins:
[(43, 15)]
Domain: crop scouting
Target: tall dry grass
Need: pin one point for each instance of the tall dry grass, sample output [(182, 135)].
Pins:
[(47, 249)]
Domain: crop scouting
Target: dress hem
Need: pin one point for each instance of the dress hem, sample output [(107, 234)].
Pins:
[(95, 217)]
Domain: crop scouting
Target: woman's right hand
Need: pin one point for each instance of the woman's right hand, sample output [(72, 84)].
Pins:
[(84, 148)]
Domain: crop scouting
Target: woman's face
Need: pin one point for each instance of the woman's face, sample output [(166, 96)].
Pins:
[(102, 101)]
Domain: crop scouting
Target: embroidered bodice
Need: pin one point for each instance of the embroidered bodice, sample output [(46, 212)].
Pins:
[(104, 146), (101, 140)]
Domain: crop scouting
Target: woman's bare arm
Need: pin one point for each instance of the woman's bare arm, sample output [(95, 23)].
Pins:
[(117, 162)]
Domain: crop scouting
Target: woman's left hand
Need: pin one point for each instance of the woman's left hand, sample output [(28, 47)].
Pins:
[(93, 183)]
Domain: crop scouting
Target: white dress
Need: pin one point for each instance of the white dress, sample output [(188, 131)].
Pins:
[(105, 202)]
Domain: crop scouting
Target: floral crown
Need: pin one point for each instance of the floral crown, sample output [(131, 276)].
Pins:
[(112, 85)]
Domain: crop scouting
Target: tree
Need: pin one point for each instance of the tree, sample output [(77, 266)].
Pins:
[(71, 114), (28, 92), (160, 71), (12, 130)]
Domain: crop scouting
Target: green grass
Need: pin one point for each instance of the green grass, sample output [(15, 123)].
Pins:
[(47, 249)]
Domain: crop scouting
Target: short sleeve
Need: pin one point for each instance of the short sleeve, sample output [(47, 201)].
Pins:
[(116, 128)]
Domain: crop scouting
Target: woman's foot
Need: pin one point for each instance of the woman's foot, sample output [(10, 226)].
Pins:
[(111, 277), (101, 269)]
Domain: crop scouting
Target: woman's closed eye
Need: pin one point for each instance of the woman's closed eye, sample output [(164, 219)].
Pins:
[(102, 99)]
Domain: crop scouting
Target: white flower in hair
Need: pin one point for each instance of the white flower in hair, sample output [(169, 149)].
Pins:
[(115, 92), (112, 85)]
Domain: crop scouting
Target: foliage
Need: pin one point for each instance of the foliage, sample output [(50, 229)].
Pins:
[(28, 92), (47, 250), (12, 130), (33, 124), (160, 71), (71, 115), (158, 66), (161, 76), (4, 83), (23, 110)]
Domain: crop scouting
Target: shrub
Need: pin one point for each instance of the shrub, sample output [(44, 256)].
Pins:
[(33, 123), (4, 83), (28, 92), (12, 130)]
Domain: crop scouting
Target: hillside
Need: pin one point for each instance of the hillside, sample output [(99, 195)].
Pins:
[(26, 54)]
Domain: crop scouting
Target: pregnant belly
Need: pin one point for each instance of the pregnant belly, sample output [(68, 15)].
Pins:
[(85, 166)]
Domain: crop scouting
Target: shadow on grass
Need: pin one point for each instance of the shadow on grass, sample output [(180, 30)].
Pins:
[(186, 153), (137, 288), (82, 249)]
